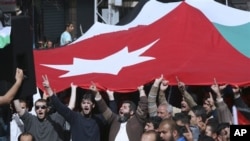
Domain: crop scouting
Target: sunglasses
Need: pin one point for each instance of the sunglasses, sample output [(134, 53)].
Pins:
[(42, 107)]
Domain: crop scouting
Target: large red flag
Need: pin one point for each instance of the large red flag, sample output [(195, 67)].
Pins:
[(183, 43)]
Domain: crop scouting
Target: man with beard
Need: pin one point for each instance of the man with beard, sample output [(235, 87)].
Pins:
[(128, 125), (43, 126), (84, 125)]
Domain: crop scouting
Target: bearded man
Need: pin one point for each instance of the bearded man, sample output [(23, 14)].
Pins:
[(128, 124)]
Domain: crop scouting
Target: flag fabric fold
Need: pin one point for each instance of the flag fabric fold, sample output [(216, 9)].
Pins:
[(241, 116)]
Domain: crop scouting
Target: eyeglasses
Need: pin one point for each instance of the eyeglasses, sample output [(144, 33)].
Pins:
[(42, 107)]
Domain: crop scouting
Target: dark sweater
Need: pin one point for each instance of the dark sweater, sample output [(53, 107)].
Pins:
[(82, 128)]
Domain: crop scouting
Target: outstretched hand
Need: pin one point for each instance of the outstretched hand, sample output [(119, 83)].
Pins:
[(140, 88), (181, 86), (93, 87), (19, 75), (158, 80), (45, 81), (110, 94), (188, 135), (73, 86), (217, 89), (236, 90), (46, 85), (95, 91), (164, 85)]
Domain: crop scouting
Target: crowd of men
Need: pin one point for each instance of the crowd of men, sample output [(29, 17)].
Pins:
[(150, 117)]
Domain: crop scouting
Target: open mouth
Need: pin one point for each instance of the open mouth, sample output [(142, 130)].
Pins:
[(121, 113), (40, 114), (86, 109), (183, 106)]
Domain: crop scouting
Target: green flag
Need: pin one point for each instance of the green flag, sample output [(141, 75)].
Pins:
[(4, 36)]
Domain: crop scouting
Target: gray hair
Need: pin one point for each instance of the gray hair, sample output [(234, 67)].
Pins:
[(169, 108)]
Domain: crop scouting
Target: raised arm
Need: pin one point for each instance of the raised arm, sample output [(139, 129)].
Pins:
[(102, 105), (224, 114), (141, 91), (142, 108), (72, 99), (163, 88), (152, 105), (61, 108), (46, 85), (112, 102), (238, 101), (188, 98), (10, 94), (162, 97)]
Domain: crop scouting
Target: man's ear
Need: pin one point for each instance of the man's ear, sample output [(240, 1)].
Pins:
[(93, 106), (132, 112), (214, 135), (199, 119), (175, 133), (48, 109)]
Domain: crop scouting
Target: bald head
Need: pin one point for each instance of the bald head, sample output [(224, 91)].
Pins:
[(150, 135)]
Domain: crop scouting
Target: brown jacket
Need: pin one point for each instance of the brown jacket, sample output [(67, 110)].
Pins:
[(135, 124)]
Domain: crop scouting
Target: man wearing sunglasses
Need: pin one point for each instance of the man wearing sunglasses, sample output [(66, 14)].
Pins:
[(43, 126)]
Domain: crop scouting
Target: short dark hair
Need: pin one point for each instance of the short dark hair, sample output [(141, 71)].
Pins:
[(213, 123), (222, 126), (132, 105), (26, 134), (200, 111), (183, 117), (89, 96), (42, 100), (68, 24), (155, 120)]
